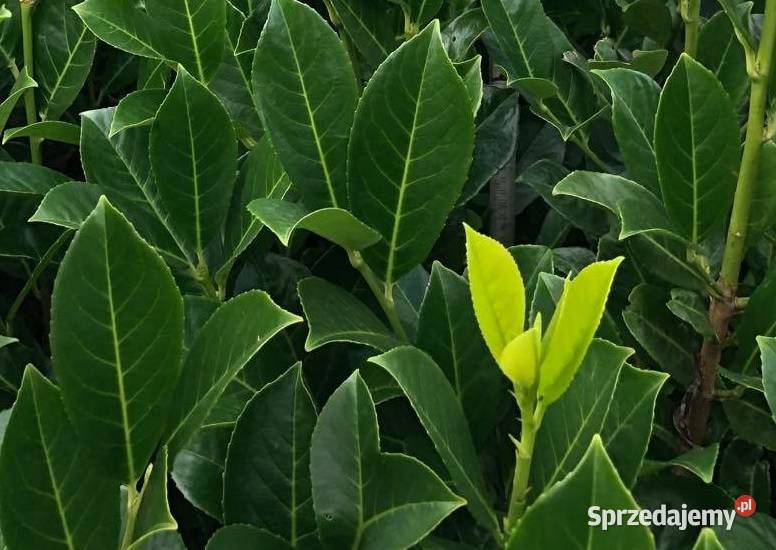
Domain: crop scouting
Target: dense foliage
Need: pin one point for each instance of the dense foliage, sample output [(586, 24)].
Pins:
[(385, 274)]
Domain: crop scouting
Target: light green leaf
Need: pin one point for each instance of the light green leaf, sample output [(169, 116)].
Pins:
[(697, 147), (374, 27), (116, 338), (443, 418), (245, 537), (707, 540), (573, 326), (137, 109), (335, 315), (698, 460), (68, 204), (408, 159), (339, 226), (194, 158), (22, 83), (267, 475), (7, 341), (363, 498), (52, 130), (28, 179), (497, 291), (594, 482), (768, 355), (637, 208), (228, 340), (153, 515), (53, 496), (635, 98), (64, 50), (305, 88), (448, 332)]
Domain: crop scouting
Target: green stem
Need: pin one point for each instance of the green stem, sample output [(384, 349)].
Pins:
[(134, 499), (531, 420), (735, 246), (383, 293), (690, 11), (202, 275), (33, 278), (29, 96)]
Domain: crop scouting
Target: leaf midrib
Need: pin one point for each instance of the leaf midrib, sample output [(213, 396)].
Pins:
[(60, 74), (195, 45)]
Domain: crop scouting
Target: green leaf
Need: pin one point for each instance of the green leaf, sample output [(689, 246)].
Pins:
[(448, 332), (665, 258), (335, 315), (637, 208), (22, 83), (594, 482), (757, 320), (420, 12), (707, 540), (763, 208), (153, 515), (372, 26), (363, 498), (470, 72), (245, 537), (460, 34), (121, 24), (228, 340), (697, 147), (137, 109), (28, 179), (698, 460), (721, 53), (691, 309), (116, 339), (408, 158), (751, 419), (746, 380), (194, 157), (339, 226), (497, 291), (53, 496), (739, 14), (267, 475), (443, 418), (573, 326), (768, 355), (7, 341), (305, 88), (635, 99), (650, 17), (757, 532), (64, 50), (68, 205), (52, 130), (190, 33), (534, 260)]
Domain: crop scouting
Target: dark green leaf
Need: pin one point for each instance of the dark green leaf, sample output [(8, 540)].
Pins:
[(245, 537), (692, 309), (137, 109), (721, 53), (22, 83), (373, 27), (68, 204), (121, 24), (757, 320), (768, 356), (763, 209), (52, 130), (28, 179), (462, 32), (699, 460), (153, 515)]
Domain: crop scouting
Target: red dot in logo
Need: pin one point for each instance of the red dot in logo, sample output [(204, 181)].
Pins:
[(745, 506)]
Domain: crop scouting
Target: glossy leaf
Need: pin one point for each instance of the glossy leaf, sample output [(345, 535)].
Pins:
[(245, 537), (470, 72), (408, 159), (335, 315), (28, 179), (153, 515), (122, 25), (52, 130), (364, 498), (372, 26), (339, 226), (53, 496), (22, 83), (116, 339), (137, 109), (68, 205), (697, 147), (462, 32), (267, 475), (194, 158), (573, 326), (64, 50), (443, 419), (224, 345), (305, 88)]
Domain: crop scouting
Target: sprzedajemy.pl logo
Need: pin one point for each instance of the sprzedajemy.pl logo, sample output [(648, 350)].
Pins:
[(681, 518)]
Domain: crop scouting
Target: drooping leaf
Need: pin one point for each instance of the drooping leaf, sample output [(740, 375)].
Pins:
[(22, 83), (372, 26), (53, 496), (408, 158), (443, 419), (697, 148), (116, 336), (68, 205), (335, 315), (634, 104), (573, 326), (245, 537), (52, 130), (28, 179), (448, 332), (64, 50), (224, 345), (194, 157), (304, 85), (339, 226), (137, 109), (364, 498), (593, 482), (497, 291), (153, 515), (267, 475)]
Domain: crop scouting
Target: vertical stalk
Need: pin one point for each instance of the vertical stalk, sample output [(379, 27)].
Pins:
[(531, 419), (691, 15), (134, 499), (29, 62), (693, 416)]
